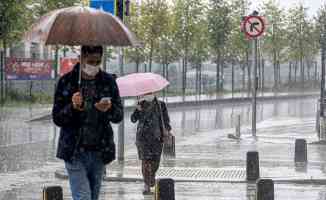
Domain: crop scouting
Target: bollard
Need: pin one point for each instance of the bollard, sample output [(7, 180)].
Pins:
[(300, 150), (265, 189), (237, 127), (52, 193), (169, 147), (252, 166), (164, 189)]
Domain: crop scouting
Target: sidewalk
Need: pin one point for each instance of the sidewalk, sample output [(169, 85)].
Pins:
[(212, 161), (213, 157), (208, 166)]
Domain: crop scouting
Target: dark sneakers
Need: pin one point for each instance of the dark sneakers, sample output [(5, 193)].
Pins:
[(148, 192)]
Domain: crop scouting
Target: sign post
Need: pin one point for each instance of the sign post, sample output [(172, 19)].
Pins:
[(254, 26), (115, 7), (2, 66)]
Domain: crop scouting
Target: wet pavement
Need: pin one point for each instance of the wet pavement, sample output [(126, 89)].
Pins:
[(203, 148), (184, 191)]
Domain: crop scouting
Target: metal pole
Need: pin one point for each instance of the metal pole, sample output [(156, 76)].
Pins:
[(254, 95), (1, 76), (121, 131), (105, 56), (56, 62), (322, 82), (232, 79)]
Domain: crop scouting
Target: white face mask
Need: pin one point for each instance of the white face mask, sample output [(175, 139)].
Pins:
[(91, 70), (149, 98)]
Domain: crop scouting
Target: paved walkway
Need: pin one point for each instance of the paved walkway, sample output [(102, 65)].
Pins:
[(209, 165)]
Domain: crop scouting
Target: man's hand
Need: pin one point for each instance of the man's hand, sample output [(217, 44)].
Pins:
[(103, 106), (77, 101)]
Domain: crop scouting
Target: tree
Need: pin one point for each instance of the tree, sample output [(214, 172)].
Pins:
[(321, 27), (186, 16), (299, 37), (14, 19), (136, 54), (219, 27), (237, 44), (199, 51), (275, 41), (43, 6), (154, 20)]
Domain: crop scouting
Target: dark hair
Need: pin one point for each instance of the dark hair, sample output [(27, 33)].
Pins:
[(86, 50)]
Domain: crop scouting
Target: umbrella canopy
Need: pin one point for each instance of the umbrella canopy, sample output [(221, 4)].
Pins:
[(79, 25), (138, 84)]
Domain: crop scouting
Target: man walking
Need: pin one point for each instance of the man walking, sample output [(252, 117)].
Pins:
[(84, 111)]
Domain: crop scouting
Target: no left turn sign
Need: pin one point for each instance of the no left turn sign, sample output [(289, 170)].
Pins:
[(254, 26)]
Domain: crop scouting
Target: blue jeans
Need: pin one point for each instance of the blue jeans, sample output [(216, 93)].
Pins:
[(85, 173)]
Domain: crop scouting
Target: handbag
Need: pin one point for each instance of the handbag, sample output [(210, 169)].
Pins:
[(168, 138)]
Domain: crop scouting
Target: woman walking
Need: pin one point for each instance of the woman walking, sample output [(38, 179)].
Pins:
[(153, 127)]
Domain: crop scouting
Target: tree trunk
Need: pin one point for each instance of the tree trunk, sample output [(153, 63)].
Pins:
[(243, 69), (308, 70), (301, 73), (2, 66), (151, 55), (218, 62), (164, 75), (232, 78), (290, 73), (295, 72), (248, 70), (137, 66), (315, 76), (263, 75), (183, 78), (222, 75), (200, 79), (197, 78), (275, 71), (167, 76), (5, 82), (279, 73)]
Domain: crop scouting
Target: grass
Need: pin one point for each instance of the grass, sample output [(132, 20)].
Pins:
[(15, 98)]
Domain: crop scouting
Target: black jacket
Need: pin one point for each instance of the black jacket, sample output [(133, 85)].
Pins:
[(69, 120)]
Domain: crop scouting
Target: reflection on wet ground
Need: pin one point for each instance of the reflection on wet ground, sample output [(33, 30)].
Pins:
[(28, 146), (183, 191)]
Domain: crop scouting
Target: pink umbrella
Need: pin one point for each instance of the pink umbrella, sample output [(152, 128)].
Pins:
[(138, 84)]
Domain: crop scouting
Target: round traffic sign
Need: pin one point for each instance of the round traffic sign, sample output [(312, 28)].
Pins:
[(254, 26)]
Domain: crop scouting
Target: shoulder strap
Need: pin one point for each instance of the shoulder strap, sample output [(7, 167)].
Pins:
[(161, 114)]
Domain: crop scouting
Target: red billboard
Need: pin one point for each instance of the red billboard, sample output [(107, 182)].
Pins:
[(66, 65), (28, 69)]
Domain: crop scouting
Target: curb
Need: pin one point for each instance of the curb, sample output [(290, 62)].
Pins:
[(63, 176)]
